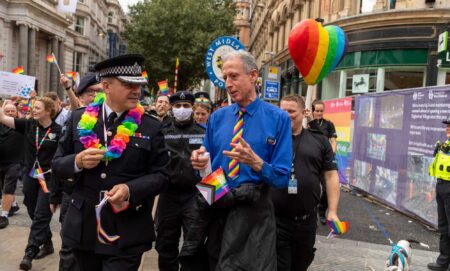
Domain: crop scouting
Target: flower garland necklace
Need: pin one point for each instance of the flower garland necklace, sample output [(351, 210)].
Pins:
[(126, 129)]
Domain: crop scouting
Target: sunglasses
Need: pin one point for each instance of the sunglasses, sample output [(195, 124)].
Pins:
[(202, 100)]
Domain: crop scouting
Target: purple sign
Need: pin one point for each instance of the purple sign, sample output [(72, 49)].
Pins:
[(393, 144)]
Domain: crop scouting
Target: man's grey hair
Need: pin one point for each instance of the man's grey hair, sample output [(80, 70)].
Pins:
[(248, 60)]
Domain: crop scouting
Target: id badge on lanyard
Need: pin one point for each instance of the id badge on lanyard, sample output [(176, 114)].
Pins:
[(293, 183)]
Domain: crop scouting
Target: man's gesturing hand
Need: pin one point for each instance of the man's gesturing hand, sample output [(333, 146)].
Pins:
[(199, 162), (243, 153), (89, 158)]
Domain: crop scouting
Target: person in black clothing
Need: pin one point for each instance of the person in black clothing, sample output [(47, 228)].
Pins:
[(175, 210), (41, 139), (296, 206), (317, 122), (11, 156), (125, 185)]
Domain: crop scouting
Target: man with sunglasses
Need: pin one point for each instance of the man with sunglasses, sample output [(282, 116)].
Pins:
[(175, 206)]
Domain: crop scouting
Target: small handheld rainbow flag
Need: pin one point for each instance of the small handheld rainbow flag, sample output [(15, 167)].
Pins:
[(145, 74), (214, 186), (19, 70), (337, 228), (51, 58), (163, 87), (72, 75), (38, 173)]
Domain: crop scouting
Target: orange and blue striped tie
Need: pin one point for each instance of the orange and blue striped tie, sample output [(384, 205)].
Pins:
[(238, 131)]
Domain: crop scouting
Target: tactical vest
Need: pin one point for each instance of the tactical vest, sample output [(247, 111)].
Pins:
[(440, 168)]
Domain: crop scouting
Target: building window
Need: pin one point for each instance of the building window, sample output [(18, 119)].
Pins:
[(77, 60), (80, 1), (402, 78), (79, 25), (392, 4), (110, 17)]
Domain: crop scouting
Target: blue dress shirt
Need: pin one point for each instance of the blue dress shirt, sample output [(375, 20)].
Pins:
[(267, 129)]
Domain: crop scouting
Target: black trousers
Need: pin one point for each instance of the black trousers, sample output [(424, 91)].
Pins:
[(443, 206), (175, 212), (67, 261), (295, 243), (323, 203), (89, 261), (38, 208)]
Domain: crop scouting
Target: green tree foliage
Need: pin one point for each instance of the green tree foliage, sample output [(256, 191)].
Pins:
[(163, 30)]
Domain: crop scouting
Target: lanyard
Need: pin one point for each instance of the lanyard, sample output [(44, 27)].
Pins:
[(102, 236), (38, 145), (294, 153), (105, 132)]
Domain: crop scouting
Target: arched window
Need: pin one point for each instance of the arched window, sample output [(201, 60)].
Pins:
[(110, 16)]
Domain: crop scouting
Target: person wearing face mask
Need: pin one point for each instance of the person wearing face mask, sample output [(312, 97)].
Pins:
[(175, 211)]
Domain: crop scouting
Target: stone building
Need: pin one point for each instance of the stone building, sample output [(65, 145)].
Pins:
[(394, 42), (31, 30)]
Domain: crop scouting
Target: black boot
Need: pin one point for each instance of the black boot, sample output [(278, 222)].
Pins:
[(46, 249), (30, 254)]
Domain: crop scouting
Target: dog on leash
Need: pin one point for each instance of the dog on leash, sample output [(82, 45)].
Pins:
[(400, 257)]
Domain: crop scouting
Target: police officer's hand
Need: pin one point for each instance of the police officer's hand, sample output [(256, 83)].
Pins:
[(243, 153), (64, 81), (332, 216), (89, 158), (199, 162), (119, 196)]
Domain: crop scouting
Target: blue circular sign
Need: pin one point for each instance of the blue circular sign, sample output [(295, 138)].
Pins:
[(213, 58)]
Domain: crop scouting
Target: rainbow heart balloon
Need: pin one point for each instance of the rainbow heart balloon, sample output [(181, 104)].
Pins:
[(316, 50)]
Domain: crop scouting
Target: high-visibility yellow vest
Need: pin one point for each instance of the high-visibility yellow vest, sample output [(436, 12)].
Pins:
[(440, 168)]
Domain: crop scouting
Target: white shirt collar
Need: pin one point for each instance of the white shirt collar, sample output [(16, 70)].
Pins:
[(109, 111)]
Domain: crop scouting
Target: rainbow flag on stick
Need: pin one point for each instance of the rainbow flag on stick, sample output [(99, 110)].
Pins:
[(52, 59), (337, 228), (19, 70), (145, 74), (214, 186), (72, 75), (163, 87)]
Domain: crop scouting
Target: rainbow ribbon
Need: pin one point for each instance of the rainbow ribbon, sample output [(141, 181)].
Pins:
[(102, 236), (337, 228)]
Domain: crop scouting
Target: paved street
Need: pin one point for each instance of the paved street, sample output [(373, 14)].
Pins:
[(363, 248)]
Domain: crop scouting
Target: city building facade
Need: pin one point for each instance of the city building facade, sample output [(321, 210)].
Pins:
[(393, 43), (31, 30)]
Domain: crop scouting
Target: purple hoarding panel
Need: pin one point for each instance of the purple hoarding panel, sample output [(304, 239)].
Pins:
[(393, 145)]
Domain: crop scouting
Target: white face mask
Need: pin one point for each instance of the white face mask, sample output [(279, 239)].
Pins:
[(182, 114)]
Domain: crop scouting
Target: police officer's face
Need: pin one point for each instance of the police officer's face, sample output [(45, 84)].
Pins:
[(121, 96), (39, 112), (318, 111), (239, 83), (295, 113), (447, 130)]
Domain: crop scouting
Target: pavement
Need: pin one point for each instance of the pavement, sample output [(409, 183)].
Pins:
[(363, 248)]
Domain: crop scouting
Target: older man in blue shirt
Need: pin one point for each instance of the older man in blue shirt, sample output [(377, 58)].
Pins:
[(251, 141)]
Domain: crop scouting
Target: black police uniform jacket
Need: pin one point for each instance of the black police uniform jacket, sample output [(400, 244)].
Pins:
[(142, 166), (181, 139)]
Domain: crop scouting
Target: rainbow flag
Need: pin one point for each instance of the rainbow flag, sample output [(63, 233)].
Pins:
[(72, 75), (51, 58), (38, 174), (163, 87), (337, 228), (19, 70), (144, 74), (214, 186)]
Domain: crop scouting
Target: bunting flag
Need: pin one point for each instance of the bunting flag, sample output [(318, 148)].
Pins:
[(163, 87), (177, 64), (72, 75), (145, 74), (337, 228), (19, 70), (214, 186)]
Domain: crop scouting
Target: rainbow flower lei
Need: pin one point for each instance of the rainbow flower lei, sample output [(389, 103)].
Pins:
[(126, 129)]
